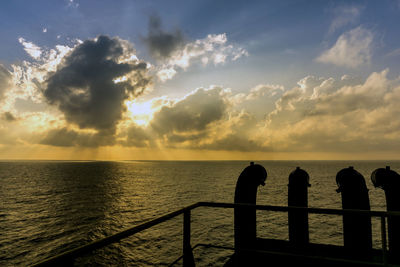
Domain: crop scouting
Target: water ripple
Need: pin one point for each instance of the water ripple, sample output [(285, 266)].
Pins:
[(50, 207)]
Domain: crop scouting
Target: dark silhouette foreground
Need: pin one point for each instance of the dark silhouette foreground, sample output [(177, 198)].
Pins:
[(357, 234)]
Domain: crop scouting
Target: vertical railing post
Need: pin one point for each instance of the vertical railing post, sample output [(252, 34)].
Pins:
[(383, 236), (188, 259)]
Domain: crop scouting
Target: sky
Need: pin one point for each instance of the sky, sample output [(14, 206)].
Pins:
[(199, 80)]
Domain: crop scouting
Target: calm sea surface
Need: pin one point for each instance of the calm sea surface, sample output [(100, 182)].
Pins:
[(48, 207)]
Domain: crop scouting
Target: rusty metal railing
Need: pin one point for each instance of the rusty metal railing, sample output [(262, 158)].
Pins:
[(67, 258)]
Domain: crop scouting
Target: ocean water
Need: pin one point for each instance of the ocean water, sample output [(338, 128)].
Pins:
[(48, 207)]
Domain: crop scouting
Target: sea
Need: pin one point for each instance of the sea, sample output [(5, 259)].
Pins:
[(49, 207)]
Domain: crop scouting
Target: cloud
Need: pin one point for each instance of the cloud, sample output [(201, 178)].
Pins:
[(162, 44), (176, 53), (73, 4), (318, 115), (336, 115), (27, 78), (234, 142), (33, 50), (166, 74), (206, 119), (352, 49), (192, 114), (85, 89), (46, 59), (66, 138), (87, 85), (90, 84), (137, 137), (235, 133), (200, 120), (5, 81), (214, 49), (344, 16), (264, 90), (8, 116)]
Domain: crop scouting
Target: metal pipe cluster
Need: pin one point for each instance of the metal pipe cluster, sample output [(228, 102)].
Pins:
[(354, 192)]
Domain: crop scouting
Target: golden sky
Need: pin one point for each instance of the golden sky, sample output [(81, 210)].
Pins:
[(191, 92)]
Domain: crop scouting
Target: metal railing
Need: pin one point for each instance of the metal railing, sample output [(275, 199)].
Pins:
[(67, 258)]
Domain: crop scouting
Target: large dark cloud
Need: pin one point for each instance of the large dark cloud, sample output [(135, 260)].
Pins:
[(83, 86), (5, 78), (191, 115), (204, 120), (162, 44)]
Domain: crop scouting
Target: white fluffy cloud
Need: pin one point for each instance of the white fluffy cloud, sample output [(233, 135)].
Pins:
[(28, 76), (352, 49), (337, 115), (263, 90), (33, 50), (175, 52), (214, 49), (166, 74)]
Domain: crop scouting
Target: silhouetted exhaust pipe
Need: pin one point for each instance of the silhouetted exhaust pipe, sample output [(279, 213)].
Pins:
[(246, 192), (356, 227), (298, 197), (389, 181)]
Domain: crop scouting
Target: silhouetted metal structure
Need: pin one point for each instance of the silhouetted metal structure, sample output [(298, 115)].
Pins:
[(356, 228), (298, 197), (246, 193), (251, 250), (389, 181)]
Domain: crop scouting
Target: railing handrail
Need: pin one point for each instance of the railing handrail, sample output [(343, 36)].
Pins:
[(74, 253), (112, 238), (293, 208)]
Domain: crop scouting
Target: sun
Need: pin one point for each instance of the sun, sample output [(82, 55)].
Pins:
[(140, 112)]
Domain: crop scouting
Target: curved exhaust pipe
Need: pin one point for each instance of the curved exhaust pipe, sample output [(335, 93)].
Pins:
[(246, 193), (356, 227)]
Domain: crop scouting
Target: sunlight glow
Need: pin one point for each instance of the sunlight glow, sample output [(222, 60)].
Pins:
[(141, 112)]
